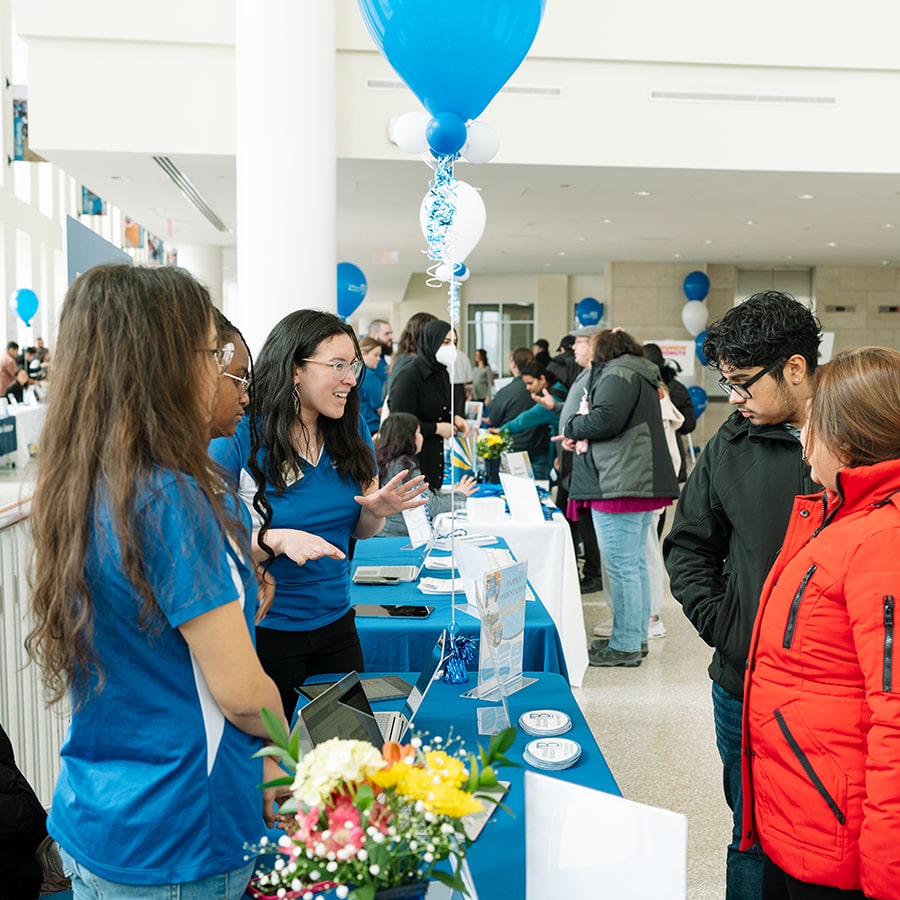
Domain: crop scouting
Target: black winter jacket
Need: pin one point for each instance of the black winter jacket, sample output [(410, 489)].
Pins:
[(728, 528)]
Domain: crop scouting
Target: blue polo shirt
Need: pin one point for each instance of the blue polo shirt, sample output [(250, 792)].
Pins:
[(156, 786)]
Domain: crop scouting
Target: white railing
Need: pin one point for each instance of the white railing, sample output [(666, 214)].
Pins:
[(36, 731)]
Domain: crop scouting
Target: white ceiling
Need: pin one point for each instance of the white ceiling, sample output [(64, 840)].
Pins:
[(547, 218)]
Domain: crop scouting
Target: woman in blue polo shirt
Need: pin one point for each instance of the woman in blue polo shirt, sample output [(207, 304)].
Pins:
[(306, 465), (142, 597)]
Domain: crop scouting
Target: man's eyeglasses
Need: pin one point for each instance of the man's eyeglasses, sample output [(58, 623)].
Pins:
[(244, 383), (222, 355), (341, 368), (743, 389)]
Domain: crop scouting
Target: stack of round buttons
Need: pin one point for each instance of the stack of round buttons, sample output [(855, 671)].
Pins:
[(544, 722), (552, 754)]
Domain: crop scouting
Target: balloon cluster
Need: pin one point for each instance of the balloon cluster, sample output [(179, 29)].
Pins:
[(24, 303), (493, 39), (694, 313)]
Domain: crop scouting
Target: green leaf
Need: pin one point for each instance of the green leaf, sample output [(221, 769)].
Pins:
[(275, 728), (269, 750), (363, 892), (295, 745), (453, 881), (488, 777), (473, 773), (277, 782), (501, 742)]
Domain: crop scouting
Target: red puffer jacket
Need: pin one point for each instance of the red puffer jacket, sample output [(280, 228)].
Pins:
[(821, 699)]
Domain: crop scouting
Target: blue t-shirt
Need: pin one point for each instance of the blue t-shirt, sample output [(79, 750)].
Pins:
[(321, 502), (156, 786), (370, 400)]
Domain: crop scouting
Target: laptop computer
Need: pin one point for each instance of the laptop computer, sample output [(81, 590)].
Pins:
[(344, 710), (392, 574)]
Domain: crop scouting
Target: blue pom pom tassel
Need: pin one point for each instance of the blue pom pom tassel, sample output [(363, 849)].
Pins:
[(459, 654)]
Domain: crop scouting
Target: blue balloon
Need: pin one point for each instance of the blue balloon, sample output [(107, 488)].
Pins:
[(446, 134), (24, 303), (455, 56), (699, 399), (589, 311), (698, 344), (351, 288), (696, 285)]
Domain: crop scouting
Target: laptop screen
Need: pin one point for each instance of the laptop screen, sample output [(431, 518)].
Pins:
[(342, 711)]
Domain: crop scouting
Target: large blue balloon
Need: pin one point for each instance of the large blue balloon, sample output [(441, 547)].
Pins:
[(698, 345), (351, 288), (696, 285), (24, 303), (589, 311), (453, 56), (699, 399)]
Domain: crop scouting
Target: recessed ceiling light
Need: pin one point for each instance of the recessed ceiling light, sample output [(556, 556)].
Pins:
[(885, 262), (677, 255), (749, 222), (789, 257), (607, 221), (806, 197), (562, 253), (581, 239), (643, 194), (707, 241), (831, 244), (546, 265), (888, 225)]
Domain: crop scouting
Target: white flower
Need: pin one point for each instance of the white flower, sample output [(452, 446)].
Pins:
[(331, 764), (342, 890), (374, 870), (362, 856), (428, 857)]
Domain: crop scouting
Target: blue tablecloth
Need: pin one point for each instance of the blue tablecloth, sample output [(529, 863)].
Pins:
[(497, 858), (405, 645)]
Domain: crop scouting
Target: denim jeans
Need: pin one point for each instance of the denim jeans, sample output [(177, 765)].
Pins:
[(622, 539), (743, 871), (225, 886)]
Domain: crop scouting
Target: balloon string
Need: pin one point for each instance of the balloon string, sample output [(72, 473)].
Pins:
[(441, 207)]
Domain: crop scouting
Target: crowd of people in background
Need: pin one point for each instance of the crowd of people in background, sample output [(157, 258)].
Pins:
[(269, 471)]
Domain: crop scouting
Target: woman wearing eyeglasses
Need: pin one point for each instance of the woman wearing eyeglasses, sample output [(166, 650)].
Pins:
[(232, 394), (314, 484), (140, 598)]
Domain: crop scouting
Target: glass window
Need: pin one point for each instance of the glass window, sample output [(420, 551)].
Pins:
[(499, 328)]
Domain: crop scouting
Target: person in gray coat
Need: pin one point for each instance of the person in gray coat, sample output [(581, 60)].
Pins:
[(622, 470)]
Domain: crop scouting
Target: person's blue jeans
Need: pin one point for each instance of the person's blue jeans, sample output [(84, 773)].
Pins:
[(622, 538), (743, 871), (225, 886)]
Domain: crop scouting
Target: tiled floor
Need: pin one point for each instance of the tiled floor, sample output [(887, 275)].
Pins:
[(654, 726)]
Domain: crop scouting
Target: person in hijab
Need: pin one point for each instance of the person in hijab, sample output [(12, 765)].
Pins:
[(423, 390)]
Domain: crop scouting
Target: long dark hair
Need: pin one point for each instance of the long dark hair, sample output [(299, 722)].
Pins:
[(408, 342), (275, 415), (397, 441), (126, 401)]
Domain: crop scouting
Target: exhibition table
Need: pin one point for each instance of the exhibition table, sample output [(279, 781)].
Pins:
[(552, 570), (29, 419), (405, 644)]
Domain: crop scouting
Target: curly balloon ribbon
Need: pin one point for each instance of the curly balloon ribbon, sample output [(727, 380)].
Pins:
[(441, 206), (457, 658)]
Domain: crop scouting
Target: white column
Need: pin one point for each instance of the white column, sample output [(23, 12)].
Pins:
[(204, 262), (286, 161)]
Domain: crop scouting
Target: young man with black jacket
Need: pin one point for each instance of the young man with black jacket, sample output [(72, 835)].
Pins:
[(731, 518)]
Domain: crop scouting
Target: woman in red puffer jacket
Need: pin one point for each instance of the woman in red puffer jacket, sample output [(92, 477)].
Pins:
[(821, 698)]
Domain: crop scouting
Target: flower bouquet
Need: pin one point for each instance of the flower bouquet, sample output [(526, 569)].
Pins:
[(493, 446), (362, 821)]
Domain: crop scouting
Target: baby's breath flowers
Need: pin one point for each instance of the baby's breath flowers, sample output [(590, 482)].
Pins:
[(361, 820)]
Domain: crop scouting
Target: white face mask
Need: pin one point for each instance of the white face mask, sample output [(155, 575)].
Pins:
[(446, 355)]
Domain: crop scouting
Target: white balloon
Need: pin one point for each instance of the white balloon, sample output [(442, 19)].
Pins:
[(408, 132), (442, 273), (469, 220), (694, 315), (482, 143)]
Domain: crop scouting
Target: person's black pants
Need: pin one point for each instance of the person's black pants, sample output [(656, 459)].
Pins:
[(778, 885), (290, 657)]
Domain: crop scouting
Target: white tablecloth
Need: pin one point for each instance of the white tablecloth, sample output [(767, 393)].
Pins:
[(553, 572), (29, 421)]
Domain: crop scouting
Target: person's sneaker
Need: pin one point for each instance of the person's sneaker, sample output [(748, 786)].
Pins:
[(656, 628), (606, 656), (590, 584), (600, 643), (604, 629)]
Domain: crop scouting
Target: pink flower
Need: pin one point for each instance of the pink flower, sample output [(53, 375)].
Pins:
[(307, 830), (344, 823)]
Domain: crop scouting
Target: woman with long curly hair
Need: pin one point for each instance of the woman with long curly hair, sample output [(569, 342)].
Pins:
[(141, 575), (307, 466)]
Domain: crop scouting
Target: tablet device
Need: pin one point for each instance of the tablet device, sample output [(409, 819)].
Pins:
[(392, 609), (379, 687)]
